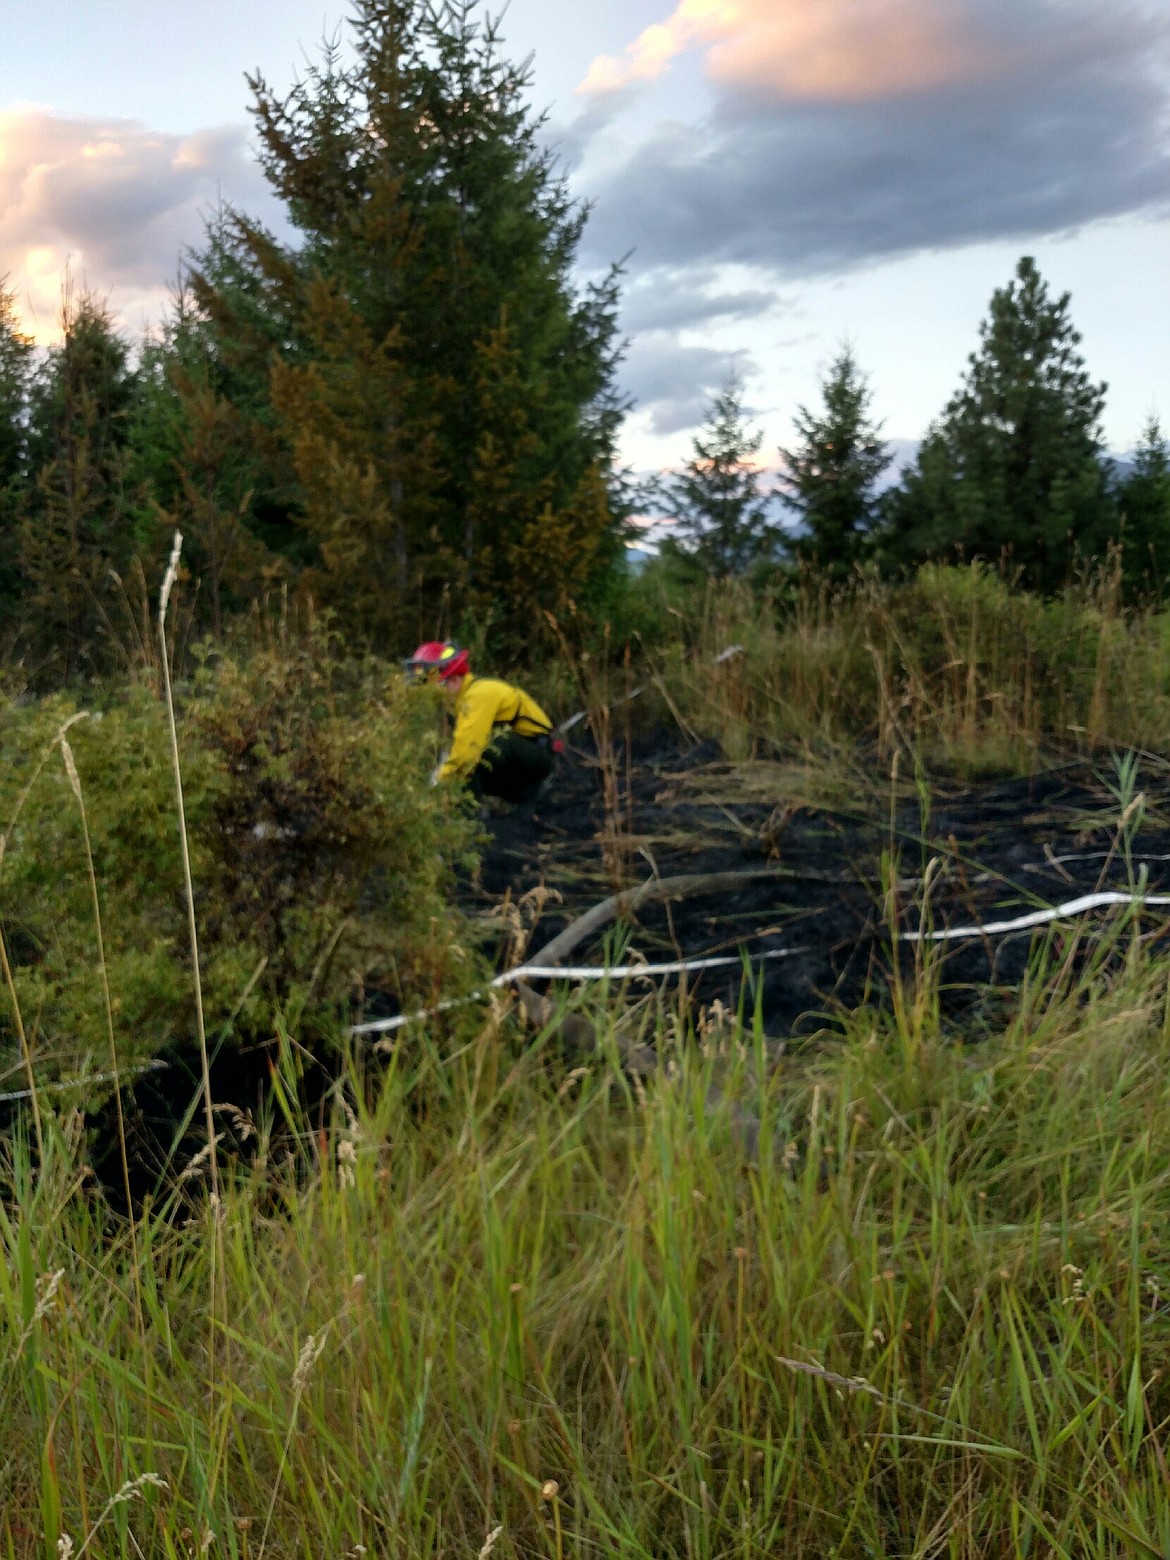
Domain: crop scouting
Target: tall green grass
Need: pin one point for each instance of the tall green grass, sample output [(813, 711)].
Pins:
[(486, 1298), (956, 667), (481, 1305)]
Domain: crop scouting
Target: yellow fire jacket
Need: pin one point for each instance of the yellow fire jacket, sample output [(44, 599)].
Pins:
[(482, 705)]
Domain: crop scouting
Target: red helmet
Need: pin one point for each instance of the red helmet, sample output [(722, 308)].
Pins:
[(439, 660)]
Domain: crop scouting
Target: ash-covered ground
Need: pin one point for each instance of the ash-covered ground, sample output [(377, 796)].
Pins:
[(847, 875), (847, 862)]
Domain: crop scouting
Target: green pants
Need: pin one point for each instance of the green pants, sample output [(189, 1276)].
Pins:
[(512, 767)]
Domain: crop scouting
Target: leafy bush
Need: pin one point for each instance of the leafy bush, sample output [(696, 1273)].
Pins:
[(320, 854)]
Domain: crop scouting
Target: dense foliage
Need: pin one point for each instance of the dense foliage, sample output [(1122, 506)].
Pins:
[(320, 856), (16, 364), (833, 469), (1143, 502), (405, 408), (1013, 470)]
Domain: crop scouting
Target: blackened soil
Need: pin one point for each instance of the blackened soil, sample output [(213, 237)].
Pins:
[(846, 879), (165, 1126)]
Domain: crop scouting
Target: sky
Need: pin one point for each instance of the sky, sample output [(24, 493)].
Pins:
[(779, 176)]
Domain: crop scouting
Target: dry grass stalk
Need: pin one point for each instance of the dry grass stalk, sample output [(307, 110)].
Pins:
[(591, 678), (168, 585)]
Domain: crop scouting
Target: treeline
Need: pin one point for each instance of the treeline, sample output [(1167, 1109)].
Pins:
[(405, 409), (1013, 472)]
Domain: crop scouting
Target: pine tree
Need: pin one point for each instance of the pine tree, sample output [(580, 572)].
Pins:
[(833, 470), (1013, 469), (82, 516), (721, 515), (1143, 502), (212, 503), (207, 449), (432, 229)]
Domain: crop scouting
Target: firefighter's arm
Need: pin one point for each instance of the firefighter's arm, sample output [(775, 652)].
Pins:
[(475, 715)]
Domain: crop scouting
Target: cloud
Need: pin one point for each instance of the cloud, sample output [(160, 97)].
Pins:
[(654, 48), (846, 131), (111, 200), (658, 300), (571, 141), (847, 50), (824, 49), (673, 385)]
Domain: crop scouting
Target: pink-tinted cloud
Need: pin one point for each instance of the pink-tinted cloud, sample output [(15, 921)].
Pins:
[(112, 202), (816, 50), (652, 51), (826, 147)]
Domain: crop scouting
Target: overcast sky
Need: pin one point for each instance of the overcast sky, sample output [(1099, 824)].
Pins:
[(783, 174)]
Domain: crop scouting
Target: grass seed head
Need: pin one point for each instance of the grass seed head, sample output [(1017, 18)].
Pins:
[(133, 1488), (489, 1542), (170, 577), (311, 1351)]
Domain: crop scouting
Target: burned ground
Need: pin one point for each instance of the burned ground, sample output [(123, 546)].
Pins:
[(848, 875), (847, 855)]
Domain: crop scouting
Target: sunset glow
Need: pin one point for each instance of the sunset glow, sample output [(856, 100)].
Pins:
[(831, 50), (43, 273), (780, 174), (105, 203), (654, 48)]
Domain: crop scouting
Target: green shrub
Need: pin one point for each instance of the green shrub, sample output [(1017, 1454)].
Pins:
[(320, 854)]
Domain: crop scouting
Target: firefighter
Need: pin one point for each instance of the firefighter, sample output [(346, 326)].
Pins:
[(503, 744)]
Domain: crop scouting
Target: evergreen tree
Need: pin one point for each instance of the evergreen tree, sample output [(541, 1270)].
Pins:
[(442, 393), (833, 470), (1143, 502), (525, 531), (16, 366), (231, 325), (195, 453), (1013, 468), (367, 476), (721, 515), (81, 516), (920, 517), (212, 503)]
